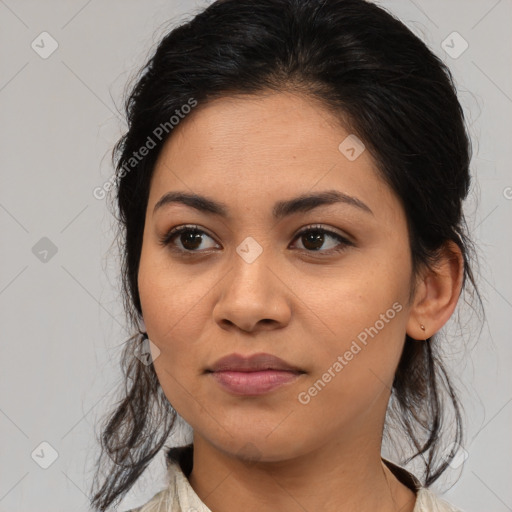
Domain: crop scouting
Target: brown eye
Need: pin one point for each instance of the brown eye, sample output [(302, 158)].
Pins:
[(314, 238), (190, 238)]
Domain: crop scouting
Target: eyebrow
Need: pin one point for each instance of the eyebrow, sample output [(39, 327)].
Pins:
[(302, 203)]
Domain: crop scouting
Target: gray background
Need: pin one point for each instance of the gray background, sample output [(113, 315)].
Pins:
[(61, 315)]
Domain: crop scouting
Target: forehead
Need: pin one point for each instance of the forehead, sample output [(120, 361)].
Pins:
[(272, 124), (246, 148)]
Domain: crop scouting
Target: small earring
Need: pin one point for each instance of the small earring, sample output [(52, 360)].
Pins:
[(422, 327)]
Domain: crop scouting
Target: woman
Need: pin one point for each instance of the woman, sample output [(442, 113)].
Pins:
[(290, 194)]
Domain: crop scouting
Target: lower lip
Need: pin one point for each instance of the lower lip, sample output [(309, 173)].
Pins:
[(254, 383)]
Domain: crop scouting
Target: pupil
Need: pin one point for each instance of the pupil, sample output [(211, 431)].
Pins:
[(310, 237), (190, 238)]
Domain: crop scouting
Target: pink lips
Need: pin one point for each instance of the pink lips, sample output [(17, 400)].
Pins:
[(254, 375)]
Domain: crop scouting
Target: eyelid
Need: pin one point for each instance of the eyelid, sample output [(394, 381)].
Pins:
[(320, 227)]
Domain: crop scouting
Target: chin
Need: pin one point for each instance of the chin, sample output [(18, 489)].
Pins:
[(253, 448)]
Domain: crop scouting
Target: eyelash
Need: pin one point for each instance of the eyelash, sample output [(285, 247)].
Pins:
[(167, 238)]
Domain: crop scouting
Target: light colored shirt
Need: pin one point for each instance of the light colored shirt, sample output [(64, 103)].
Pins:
[(179, 496)]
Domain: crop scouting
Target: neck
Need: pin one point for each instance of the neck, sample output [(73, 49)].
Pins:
[(334, 477)]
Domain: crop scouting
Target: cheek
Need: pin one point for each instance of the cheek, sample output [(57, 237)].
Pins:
[(356, 362), (168, 311), (171, 295), (173, 304), (365, 311), (354, 298)]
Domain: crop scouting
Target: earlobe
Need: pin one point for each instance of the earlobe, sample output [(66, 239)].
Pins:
[(437, 294)]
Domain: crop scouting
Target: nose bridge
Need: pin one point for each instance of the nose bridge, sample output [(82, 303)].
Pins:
[(252, 293), (251, 263)]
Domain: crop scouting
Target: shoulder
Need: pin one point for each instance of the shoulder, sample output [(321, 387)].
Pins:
[(158, 503), (178, 496), (427, 501)]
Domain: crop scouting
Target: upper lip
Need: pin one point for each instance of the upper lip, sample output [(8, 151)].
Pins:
[(255, 362)]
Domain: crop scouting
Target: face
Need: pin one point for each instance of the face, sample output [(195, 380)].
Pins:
[(324, 286)]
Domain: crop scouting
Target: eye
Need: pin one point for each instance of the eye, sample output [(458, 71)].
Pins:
[(190, 238), (315, 236)]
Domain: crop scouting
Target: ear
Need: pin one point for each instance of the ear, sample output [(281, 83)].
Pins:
[(437, 293)]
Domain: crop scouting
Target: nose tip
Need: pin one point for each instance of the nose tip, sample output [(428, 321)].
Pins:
[(247, 326), (260, 308)]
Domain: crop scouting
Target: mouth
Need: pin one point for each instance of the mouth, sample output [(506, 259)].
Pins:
[(254, 375)]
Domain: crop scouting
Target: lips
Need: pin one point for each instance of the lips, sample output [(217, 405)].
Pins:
[(254, 375), (253, 363)]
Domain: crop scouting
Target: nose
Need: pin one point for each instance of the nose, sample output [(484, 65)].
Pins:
[(253, 296)]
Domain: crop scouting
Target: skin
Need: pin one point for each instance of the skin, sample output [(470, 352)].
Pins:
[(272, 452)]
